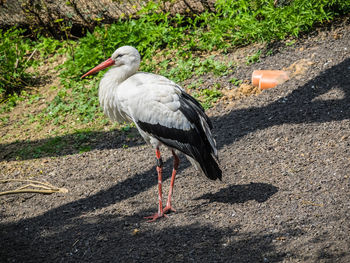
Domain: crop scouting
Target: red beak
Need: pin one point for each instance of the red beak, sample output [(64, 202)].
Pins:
[(109, 62)]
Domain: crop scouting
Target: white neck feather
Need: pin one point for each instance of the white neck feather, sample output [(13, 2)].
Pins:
[(108, 90), (117, 75)]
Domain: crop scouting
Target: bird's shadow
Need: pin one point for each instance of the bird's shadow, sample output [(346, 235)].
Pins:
[(232, 194)]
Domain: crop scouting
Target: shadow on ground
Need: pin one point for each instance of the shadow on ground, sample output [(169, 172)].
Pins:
[(259, 192), (300, 106), (74, 143), (74, 235), (109, 240)]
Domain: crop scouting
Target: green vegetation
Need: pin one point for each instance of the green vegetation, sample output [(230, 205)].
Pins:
[(236, 82), (13, 62), (177, 47), (254, 58), (208, 96)]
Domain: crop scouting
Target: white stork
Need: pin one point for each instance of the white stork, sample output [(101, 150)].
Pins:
[(162, 112)]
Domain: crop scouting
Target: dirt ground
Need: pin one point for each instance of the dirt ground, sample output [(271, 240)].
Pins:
[(284, 197)]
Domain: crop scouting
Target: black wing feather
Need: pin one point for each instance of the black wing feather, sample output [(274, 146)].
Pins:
[(196, 106), (192, 142)]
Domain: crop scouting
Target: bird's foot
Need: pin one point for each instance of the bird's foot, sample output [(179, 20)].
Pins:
[(155, 216), (168, 209)]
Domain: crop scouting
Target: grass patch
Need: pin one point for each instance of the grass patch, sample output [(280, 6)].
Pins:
[(208, 96), (254, 58)]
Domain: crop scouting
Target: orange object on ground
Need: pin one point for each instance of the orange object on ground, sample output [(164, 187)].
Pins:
[(266, 79)]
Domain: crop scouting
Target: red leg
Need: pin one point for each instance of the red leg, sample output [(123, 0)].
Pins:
[(160, 205), (169, 207)]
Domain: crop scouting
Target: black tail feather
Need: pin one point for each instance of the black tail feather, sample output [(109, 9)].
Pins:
[(210, 167)]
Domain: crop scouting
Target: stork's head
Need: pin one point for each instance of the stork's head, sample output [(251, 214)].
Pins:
[(125, 56)]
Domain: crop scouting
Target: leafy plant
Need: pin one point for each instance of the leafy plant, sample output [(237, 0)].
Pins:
[(47, 46), (15, 53)]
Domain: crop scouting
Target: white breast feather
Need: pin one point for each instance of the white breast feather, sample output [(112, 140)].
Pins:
[(143, 97), (155, 101)]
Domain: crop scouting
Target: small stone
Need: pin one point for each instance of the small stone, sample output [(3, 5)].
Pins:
[(135, 231)]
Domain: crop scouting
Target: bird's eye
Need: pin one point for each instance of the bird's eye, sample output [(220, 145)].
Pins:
[(119, 55)]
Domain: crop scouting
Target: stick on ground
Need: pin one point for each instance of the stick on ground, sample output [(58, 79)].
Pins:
[(33, 187)]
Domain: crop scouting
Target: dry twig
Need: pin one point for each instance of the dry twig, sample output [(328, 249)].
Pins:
[(33, 187)]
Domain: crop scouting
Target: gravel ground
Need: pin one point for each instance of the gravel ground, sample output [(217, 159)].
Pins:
[(284, 196)]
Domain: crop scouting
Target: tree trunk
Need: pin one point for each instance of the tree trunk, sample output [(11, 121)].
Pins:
[(51, 16)]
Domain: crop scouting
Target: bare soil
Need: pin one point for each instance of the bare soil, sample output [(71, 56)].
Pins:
[(284, 197)]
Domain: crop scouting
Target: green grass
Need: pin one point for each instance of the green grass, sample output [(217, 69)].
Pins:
[(254, 58), (208, 96), (236, 82), (185, 69)]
